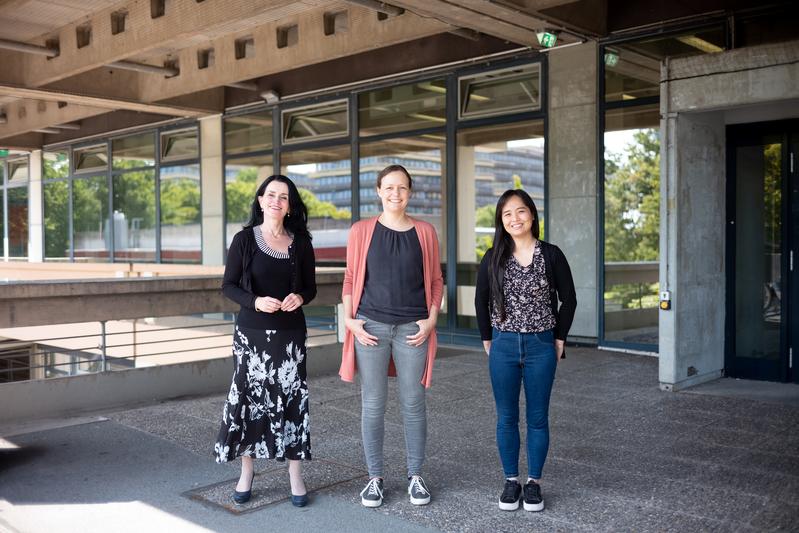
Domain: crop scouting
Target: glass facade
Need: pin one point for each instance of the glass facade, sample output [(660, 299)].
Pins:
[(243, 175), (134, 216), (16, 192), (91, 230), (491, 160), (631, 181), (181, 223), (324, 178)]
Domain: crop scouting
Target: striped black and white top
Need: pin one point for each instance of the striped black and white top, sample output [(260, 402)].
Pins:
[(265, 248)]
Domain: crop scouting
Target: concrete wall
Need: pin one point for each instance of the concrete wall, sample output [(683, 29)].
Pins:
[(70, 396), (572, 174), (699, 96)]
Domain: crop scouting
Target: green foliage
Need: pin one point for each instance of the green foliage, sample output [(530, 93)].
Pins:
[(517, 182), (632, 201), (134, 195), (180, 202), (239, 195), (56, 219), (484, 216)]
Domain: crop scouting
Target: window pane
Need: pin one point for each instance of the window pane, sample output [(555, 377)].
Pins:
[(492, 160), (248, 133), (407, 107), (316, 122), (324, 178), (17, 222), (55, 164), (633, 70), (56, 220), (242, 178), (181, 144), (90, 158), (134, 216), (632, 204), (18, 171), (134, 151), (181, 228), (91, 235), (512, 90), (422, 156)]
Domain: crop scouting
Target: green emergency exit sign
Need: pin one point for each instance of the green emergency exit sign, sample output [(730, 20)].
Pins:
[(3, 153), (547, 39)]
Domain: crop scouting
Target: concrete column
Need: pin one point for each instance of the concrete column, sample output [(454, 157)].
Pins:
[(692, 235), (572, 176), (35, 208), (212, 182)]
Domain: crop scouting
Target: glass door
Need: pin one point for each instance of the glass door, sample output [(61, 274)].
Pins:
[(761, 233)]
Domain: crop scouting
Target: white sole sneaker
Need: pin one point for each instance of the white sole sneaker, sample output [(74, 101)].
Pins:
[(420, 501), (509, 506), (534, 506), (371, 503)]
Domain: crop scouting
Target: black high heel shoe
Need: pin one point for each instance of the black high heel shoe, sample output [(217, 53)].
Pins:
[(244, 497), (299, 501)]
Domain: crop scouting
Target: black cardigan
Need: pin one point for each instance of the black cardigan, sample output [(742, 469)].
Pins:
[(561, 286), (237, 281)]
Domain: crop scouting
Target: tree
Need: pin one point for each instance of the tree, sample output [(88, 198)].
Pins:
[(320, 209), (632, 200)]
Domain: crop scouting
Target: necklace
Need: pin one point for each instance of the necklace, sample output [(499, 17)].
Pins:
[(277, 235)]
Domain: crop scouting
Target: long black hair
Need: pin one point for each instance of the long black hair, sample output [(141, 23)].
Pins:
[(296, 221), (503, 245)]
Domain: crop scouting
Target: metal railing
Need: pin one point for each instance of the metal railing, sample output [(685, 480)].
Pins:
[(109, 345)]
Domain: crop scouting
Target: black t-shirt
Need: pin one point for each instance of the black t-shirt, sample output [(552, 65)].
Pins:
[(393, 291)]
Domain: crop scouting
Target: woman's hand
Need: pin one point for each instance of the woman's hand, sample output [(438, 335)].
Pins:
[(291, 302), (487, 346), (560, 348), (356, 327), (267, 304), (426, 327)]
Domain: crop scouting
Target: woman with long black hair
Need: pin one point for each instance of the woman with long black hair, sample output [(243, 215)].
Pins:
[(270, 272), (520, 281)]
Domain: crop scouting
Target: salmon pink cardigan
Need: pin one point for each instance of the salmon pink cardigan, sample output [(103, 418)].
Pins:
[(354, 276)]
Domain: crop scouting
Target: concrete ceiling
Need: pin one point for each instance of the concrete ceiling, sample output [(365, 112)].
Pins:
[(210, 46)]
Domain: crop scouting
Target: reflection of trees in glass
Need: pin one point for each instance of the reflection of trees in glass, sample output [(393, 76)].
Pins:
[(55, 165), (89, 215), (632, 200), (772, 198), (180, 201), (632, 214), (134, 195), (240, 192), (18, 221), (56, 219), (320, 209)]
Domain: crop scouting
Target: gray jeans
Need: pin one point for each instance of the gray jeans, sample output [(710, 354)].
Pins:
[(410, 363)]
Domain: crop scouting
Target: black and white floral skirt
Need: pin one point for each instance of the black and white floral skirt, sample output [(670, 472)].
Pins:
[(266, 412)]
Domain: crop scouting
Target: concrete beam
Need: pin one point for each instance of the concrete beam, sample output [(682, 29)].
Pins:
[(97, 101), (364, 32), (184, 21), (33, 303), (40, 114), (466, 17)]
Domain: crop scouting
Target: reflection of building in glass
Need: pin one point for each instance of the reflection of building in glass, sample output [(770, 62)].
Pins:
[(330, 182)]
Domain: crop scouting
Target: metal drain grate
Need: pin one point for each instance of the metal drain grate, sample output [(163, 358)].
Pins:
[(272, 486)]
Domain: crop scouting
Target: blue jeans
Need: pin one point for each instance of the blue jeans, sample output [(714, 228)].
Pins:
[(517, 358), (410, 362)]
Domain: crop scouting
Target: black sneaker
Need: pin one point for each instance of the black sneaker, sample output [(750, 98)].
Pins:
[(418, 492), (509, 501), (533, 501), (372, 494)]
